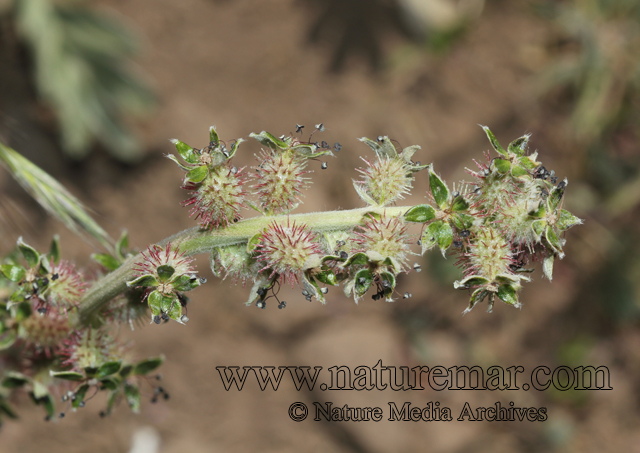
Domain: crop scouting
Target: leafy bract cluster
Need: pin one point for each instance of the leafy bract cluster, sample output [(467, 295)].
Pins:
[(43, 345)]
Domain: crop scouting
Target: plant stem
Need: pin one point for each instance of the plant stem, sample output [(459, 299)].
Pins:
[(195, 241)]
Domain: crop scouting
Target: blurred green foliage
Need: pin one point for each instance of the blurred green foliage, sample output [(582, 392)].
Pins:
[(80, 69)]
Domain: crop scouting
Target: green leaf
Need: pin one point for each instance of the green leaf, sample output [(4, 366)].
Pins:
[(197, 174), (29, 253), (80, 393), (186, 152), (108, 368), (165, 272), (7, 410), (556, 194), (459, 204), (213, 136), (357, 259), (387, 149), (105, 260), (310, 285), (477, 297), (547, 267), (462, 221), (519, 145), (305, 149), (171, 306), (234, 148), (362, 193), (408, 152), (267, 139), (13, 379), (566, 220), (445, 238), (21, 311), (15, 273), (494, 141), (538, 227), (132, 394), (51, 195), (388, 283), (185, 282), (420, 214), (509, 295), (155, 303), (371, 144), (147, 366), (178, 163), (110, 383), (126, 370), (552, 239), (144, 281), (430, 235), (90, 371), (502, 165), (470, 282), (253, 242), (518, 170), (363, 281), (327, 277), (54, 249), (527, 163), (439, 189), (67, 375)]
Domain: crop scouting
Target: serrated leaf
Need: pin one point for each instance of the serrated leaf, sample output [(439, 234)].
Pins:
[(197, 174), (420, 214), (146, 366), (508, 295), (519, 145), (144, 281), (363, 281), (30, 254), (186, 152), (502, 165), (132, 394), (67, 375), (494, 142), (439, 189), (547, 267), (105, 260), (267, 139), (54, 249), (108, 368), (469, 282), (362, 193), (165, 272), (15, 273), (566, 220)]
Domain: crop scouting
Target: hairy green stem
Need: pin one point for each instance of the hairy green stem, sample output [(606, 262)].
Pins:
[(195, 241)]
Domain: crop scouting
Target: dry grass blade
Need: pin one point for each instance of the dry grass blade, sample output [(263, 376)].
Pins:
[(52, 196)]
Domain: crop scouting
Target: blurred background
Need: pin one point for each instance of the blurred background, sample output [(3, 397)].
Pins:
[(91, 91)]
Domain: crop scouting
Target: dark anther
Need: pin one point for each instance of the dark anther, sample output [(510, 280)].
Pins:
[(465, 233), (165, 317), (324, 144), (156, 319), (54, 277), (337, 147), (61, 415), (261, 292), (419, 241), (417, 267), (457, 244), (234, 170), (376, 296), (103, 414), (324, 290), (553, 179), (362, 281), (562, 185), (455, 194), (282, 137), (344, 255), (47, 418), (386, 284), (380, 138), (406, 295), (213, 144), (42, 310), (323, 165), (544, 193), (299, 128), (320, 127), (282, 305), (202, 280), (154, 400), (166, 396), (261, 304), (81, 404), (486, 172), (45, 281)]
